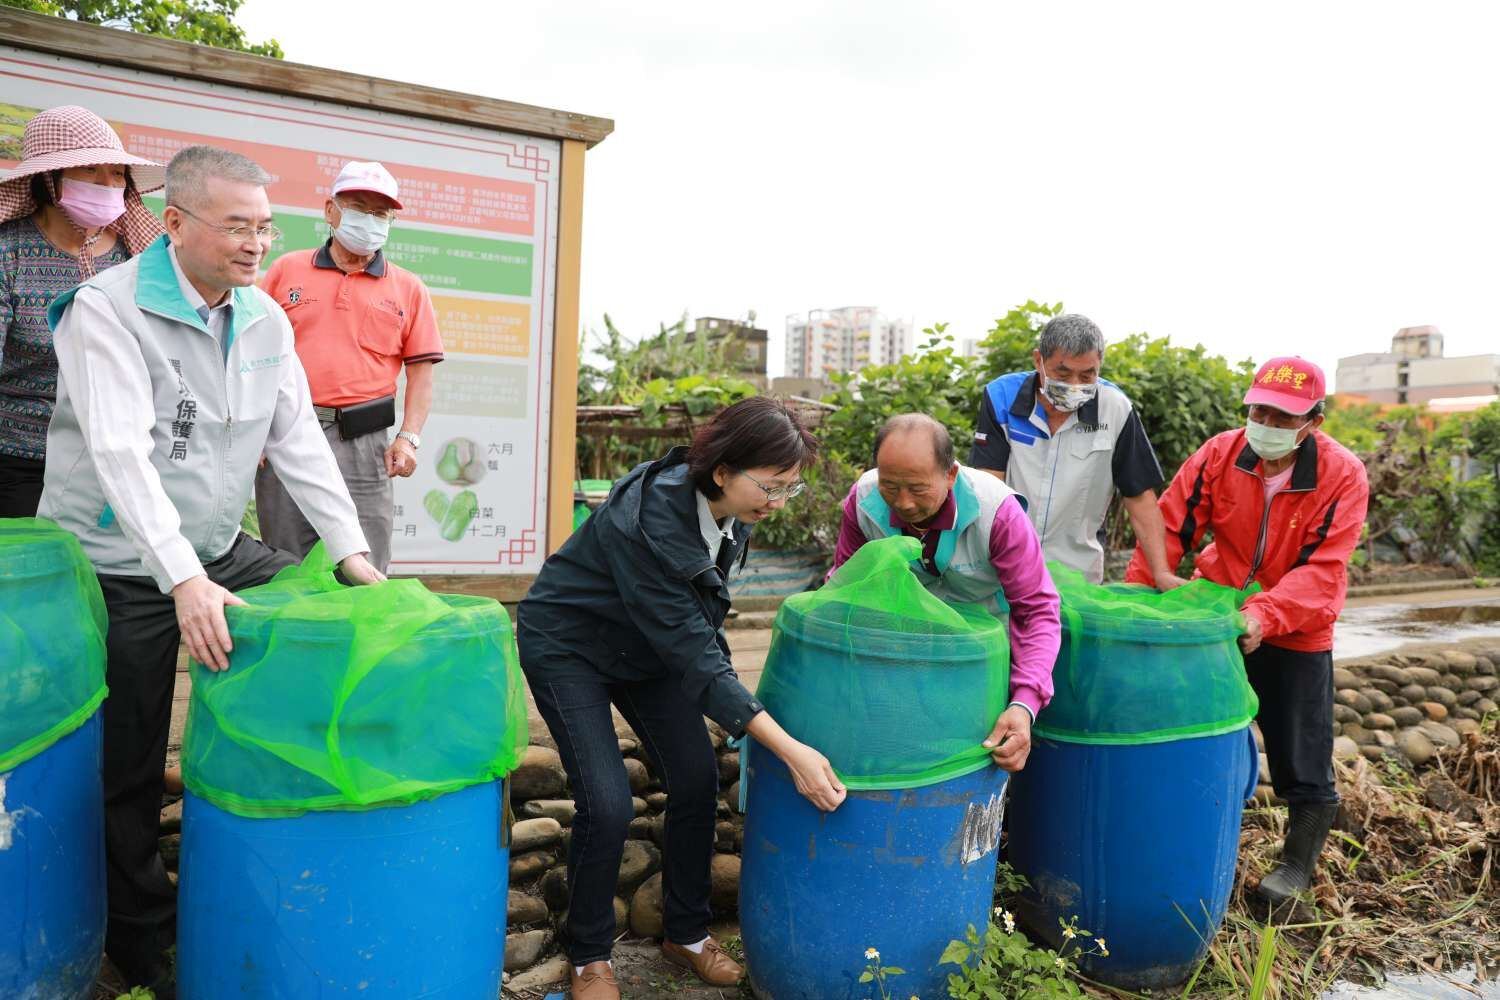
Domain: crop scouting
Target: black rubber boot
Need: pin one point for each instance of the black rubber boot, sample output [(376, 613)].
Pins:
[(1307, 830)]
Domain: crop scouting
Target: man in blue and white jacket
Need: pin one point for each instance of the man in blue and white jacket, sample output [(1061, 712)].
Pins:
[(176, 375), (1066, 439)]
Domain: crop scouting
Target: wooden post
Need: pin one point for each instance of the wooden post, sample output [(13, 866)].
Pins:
[(562, 460)]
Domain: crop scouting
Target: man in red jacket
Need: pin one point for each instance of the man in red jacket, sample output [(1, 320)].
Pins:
[(1285, 503)]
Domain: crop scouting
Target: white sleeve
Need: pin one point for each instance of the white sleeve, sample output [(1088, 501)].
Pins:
[(305, 464), (105, 378)]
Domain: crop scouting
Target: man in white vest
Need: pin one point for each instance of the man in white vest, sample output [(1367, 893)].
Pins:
[(977, 545), (176, 375)]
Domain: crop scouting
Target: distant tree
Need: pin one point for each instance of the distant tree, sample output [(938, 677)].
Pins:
[(203, 22)]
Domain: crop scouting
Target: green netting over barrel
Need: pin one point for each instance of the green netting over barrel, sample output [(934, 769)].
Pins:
[(52, 627), (1139, 666), (354, 697), (897, 688)]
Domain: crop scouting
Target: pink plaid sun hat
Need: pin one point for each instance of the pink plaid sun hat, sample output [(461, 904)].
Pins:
[(72, 136)]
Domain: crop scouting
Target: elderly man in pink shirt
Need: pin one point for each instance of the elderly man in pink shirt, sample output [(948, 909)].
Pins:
[(977, 543)]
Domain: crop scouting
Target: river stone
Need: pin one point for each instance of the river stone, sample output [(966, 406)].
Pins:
[(1264, 795), (1380, 700), (1386, 672), (636, 773), (1482, 683), (1373, 752), (1384, 738), (645, 909), (1424, 676), (1344, 680), (171, 817), (540, 775), (1486, 665), (1460, 662), (628, 747), (732, 796), (524, 948), (724, 836), (1413, 694), (640, 828), (1435, 711), (1484, 706), (1343, 713), (1443, 696), (1463, 727), (525, 868), (640, 861), (560, 810), (1415, 744), (550, 972), (1407, 716), (554, 887), (531, 834), (729, 767), (1354, 700), (521, 909), (1344, 748), (1439, 734), (1379, 720), (1258, 736), (716, 733), (638, 805), (1385, 687), (724, 883), (1265, 770), (1468, 712), (1468, 697), (1358, 733), (656, 801)]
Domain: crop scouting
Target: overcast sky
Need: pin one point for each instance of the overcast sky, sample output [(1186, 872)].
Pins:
[(1292, 178)]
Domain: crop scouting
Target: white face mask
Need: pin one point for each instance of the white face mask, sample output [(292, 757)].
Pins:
[(1271, 443), (361, 232), (1066, 396)]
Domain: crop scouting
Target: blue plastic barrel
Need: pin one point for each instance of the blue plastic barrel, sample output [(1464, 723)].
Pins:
[(1139, 842), (397, 902), (902, 871), (52, 871)]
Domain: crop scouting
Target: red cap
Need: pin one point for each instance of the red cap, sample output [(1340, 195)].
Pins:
[(1291, 385)]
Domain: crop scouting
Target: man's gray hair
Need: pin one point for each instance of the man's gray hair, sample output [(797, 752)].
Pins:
[(1072, 334), (191, 170), (902, 423)]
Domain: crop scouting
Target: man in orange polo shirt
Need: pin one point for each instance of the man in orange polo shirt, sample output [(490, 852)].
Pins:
[(358, 320)]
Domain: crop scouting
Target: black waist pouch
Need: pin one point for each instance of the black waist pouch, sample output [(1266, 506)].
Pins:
[(366, 418)]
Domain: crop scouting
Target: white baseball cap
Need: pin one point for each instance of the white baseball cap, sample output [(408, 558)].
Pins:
[(359, 175)]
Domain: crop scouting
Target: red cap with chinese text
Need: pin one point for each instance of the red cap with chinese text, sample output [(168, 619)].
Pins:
[(1292, 385), (359, 175)]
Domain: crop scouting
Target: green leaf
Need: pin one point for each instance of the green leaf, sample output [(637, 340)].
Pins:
[(894, 970), (867, 977), (957, 953)]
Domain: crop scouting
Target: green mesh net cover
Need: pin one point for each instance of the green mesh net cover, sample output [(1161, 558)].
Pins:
[(895, 686), (1138, 666), (354, 697), (52, 626)]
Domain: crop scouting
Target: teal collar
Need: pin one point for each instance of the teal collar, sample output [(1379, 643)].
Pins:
[(157, 290)]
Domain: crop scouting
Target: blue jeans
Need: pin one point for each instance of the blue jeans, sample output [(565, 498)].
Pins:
[(672, 732)]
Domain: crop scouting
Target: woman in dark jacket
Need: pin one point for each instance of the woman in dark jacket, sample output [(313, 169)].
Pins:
[(629, 612)]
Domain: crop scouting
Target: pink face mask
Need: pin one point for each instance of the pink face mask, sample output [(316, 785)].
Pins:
[(91, 206)]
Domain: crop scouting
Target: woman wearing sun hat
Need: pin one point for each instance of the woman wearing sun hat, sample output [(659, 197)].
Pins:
[(71, 207)]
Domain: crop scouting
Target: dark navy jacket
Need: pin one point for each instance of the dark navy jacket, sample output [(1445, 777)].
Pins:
[(632, 595)]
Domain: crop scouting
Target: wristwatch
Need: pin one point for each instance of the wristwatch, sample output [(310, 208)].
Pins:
[(413, 439)]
